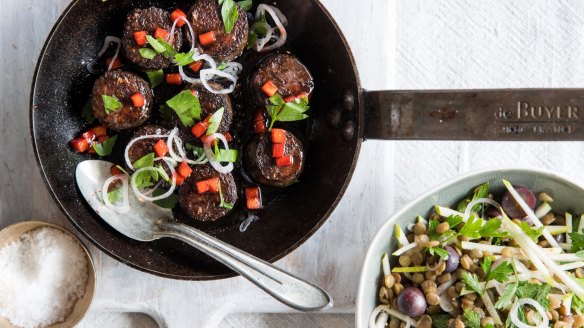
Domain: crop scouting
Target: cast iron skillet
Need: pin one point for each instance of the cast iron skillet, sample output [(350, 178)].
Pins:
[(62, 85)]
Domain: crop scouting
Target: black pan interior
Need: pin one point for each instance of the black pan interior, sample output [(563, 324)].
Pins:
[(62, 86)]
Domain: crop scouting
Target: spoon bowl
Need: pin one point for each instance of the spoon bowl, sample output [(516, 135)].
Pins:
[(146, 222)]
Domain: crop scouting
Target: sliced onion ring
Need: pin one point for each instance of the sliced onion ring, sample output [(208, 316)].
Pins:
[(538, 307), (174, 24), (215, 164), (142, 196), (125, 207), (208, 74), (106, 43), (262, 8), (131, 143)]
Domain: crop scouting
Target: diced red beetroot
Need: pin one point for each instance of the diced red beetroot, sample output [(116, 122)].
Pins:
[(253, 203), (213, 184), (278, 150), (284, 161), (278, 136), (184, 170), (80, 144), (99, 131), (252, 192), (202, 186), (115, 170), (160, 148)]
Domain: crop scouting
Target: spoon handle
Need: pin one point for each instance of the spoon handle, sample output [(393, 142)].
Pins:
[(283, 286)]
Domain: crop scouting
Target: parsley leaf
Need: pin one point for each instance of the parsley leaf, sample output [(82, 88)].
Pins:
[(286, 112), (438, 251), (481, 191), (505, 299), (147, 53), (440, 320), (501, 273), (486, 266), (168, 202), (223, 203), (531, 232), (155, 77), (472, 319), (87, 113), (245, 5), (577, 241), (229, 14), (183, 59), (432, 224), (536, 292), (110, 103), (471, 281), (491, 227), (454, 220), (105, 148), (187, 107), (215, 120), (471, 228)]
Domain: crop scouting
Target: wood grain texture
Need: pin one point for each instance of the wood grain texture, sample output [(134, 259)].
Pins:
[(330, 258)]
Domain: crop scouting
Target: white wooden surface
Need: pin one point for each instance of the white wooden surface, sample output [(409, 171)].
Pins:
[(331, 258)]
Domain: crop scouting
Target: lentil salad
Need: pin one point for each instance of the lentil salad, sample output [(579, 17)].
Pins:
[(505, 260)]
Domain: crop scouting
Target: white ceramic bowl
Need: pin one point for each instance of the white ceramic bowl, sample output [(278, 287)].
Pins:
[(567, 196)]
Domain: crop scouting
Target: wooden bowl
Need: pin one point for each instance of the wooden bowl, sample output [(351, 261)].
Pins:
[(14, 232)]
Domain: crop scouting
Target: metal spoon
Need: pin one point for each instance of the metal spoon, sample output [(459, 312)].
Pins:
[(147, 222)]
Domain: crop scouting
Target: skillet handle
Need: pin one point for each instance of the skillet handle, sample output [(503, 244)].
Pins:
[(283, 286), (510, 114)]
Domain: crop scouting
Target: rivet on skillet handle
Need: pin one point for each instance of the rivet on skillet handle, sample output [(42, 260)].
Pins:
[(520, 114)]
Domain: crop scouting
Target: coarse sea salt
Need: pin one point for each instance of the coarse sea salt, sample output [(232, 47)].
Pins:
[(43, 274)]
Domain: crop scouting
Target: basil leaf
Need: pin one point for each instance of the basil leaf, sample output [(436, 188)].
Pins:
[(144, 179), (226, 155), (229, 14), (159, 48), (87, 112), (105, 148), (222, 66), (110, 103), (245, 4), (168, 49), (277, 100), (155, 77), (186, 106), (168, 202), (297, 106), (115, 195), (144, 161), (183, 59), (147, 53), (215, 121), (252, 38), (289, 115)]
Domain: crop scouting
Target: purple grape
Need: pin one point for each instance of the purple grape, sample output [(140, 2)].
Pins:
[(411, 302), (560, 238), (493, 213), (453, 260), (512, 208)]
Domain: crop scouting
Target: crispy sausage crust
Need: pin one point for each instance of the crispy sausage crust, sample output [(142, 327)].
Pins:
[(286, 72), (205, 207), (261, 166), (205, 16), (148, 20)]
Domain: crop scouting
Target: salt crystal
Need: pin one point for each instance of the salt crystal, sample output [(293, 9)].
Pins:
[(43, 274)]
